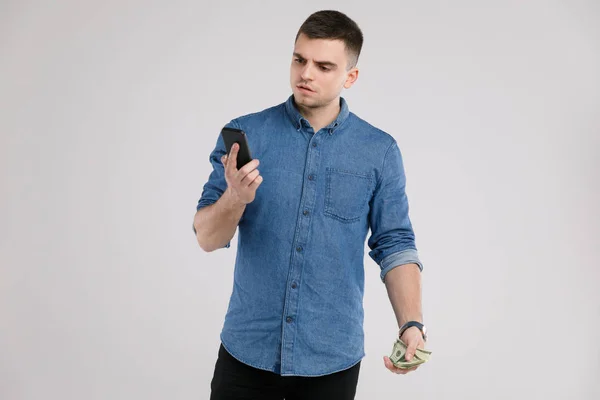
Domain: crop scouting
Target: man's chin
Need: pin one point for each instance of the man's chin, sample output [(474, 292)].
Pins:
[(305, 101)]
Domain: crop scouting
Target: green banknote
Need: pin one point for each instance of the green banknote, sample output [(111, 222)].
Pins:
[(399, 352)]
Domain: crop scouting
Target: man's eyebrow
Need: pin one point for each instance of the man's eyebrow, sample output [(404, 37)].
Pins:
[(324, 63)]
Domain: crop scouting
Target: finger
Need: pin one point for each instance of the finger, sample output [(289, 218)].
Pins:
[(246, 169), (231, 166), (389, 365), (410, 352), (256, 183), (248, 179), (411, 348)]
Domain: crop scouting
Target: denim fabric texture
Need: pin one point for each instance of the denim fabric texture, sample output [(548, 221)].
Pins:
[(296, 307)]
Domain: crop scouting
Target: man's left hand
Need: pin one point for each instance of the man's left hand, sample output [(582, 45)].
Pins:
[(413, 339)]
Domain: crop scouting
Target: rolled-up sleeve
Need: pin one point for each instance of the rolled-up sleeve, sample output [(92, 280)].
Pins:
[(392, 240), (216, 185)]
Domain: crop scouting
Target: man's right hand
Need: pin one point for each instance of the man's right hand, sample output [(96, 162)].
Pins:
[(242, 183)]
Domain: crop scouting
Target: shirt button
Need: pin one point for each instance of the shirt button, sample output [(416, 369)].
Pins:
[(314, 144), (299, 248), (305, 212), (288, 320), (294, 285), (311, 177)]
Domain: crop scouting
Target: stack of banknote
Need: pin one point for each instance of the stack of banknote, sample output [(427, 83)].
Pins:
[(398, 356)]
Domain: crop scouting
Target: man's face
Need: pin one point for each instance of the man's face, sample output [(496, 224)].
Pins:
[(319, 71)]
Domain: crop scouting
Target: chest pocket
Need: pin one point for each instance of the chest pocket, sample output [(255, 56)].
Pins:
[(347, 194)]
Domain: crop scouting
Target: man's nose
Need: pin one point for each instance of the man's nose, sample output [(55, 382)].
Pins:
[(307, 73)]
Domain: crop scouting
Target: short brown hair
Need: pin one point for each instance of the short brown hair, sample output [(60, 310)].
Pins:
[(330, 24)]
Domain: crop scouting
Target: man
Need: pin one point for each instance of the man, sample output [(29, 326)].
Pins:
[(294, 326)]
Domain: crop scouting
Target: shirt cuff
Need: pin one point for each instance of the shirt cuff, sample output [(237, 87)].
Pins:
[(394, 260)]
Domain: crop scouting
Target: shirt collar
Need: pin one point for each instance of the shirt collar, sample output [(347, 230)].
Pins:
[(298, 120)]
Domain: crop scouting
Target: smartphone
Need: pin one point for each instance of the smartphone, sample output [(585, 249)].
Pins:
[(231, 136)]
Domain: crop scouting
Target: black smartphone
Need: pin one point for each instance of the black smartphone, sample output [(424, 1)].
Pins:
[(231, 136)]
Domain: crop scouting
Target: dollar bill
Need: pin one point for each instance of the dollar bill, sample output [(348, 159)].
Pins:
[(398, 356)]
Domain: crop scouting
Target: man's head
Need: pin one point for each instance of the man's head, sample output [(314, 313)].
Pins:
[(326, 51)]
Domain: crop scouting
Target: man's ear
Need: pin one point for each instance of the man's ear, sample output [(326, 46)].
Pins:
[(351, 78)]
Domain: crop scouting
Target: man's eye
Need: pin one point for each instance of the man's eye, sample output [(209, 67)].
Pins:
[(299, 61), (324, 69)]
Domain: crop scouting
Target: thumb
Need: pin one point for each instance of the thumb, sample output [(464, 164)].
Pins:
[(411, 349)]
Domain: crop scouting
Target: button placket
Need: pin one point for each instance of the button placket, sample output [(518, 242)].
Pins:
[(307, 204)]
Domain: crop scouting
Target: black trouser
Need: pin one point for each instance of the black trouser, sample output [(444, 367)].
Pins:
[(234, 380)]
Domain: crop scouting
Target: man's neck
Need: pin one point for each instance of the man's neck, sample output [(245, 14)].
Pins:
[(320, 117)]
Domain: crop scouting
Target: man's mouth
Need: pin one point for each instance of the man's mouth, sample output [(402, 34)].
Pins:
[(305, 88)]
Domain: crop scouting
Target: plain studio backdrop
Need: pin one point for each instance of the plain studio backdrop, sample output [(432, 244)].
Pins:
[(109, 110)]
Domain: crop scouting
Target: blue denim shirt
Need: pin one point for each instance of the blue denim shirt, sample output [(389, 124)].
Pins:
[(297, 302)]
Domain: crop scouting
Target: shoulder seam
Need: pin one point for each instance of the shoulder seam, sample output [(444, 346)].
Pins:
[(385, 158)]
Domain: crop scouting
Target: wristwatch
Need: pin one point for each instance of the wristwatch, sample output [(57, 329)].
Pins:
[(410, 324)]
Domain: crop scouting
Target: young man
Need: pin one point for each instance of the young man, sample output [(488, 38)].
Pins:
[(294, 327)]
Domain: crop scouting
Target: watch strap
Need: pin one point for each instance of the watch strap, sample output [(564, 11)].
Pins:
[(410, 324)]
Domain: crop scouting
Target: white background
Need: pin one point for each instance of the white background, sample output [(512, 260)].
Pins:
[(108, 112)]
